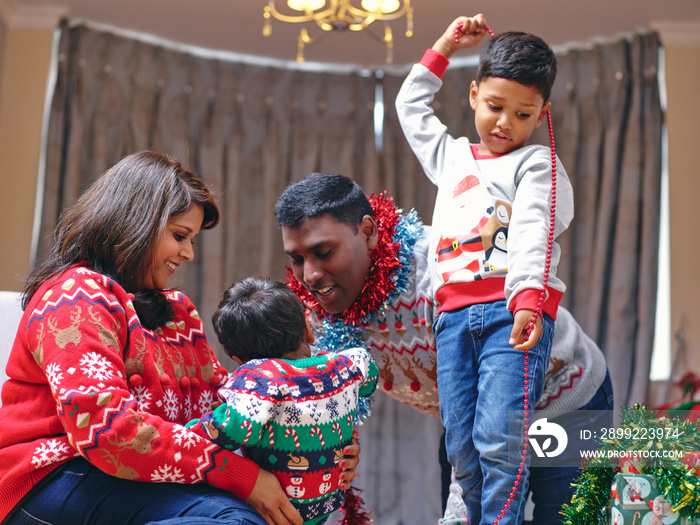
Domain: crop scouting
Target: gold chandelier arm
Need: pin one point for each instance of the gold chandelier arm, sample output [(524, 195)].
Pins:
[(361, 25), (386, 39), (302, 40), (409, 23), (267, 24)]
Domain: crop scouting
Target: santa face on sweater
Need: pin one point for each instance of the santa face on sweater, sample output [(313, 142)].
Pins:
[(331, 259), (174, 246)]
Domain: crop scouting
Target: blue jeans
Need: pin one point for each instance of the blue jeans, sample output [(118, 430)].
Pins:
[(551, 486), (480, 385), (78, 493)]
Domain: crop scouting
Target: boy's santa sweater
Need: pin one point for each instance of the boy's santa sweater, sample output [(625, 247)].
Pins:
[(86, 379), (294, 418)]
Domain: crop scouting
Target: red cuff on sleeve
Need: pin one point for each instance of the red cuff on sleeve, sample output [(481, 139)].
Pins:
[(528, 299), (436, 62), (233, 473)]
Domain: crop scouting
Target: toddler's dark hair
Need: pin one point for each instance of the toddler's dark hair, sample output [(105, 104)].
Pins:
[(259, 318), (321, 194), (522, 57)]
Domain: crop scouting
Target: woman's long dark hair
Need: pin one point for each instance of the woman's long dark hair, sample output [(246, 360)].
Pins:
[(114, 227)]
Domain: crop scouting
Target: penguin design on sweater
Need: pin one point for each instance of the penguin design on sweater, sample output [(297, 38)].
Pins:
[(494, 236)]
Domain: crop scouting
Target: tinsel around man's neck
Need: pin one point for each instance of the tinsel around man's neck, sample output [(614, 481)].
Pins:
[(391, 265)]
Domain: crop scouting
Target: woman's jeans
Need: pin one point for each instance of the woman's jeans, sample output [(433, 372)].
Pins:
[(78, 493), (481, 386)]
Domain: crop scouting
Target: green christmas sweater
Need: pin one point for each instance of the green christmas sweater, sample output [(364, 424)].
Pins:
[(293, 418)]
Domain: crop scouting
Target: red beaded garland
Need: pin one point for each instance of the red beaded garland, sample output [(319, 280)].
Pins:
[(538, 311), (459, 28)]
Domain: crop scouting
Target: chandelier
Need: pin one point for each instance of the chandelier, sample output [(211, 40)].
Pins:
[(341, 15)]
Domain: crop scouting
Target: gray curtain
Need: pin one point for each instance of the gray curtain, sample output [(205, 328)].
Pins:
[(249, 130)]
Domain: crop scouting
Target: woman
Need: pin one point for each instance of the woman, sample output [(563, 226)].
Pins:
[(108, 364)]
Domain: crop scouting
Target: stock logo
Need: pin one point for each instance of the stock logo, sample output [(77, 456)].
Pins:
[(543, 445)]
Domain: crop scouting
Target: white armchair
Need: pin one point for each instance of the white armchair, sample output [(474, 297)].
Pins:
[(10, 315)]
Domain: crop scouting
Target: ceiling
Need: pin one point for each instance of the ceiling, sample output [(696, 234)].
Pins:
[(236, 25)]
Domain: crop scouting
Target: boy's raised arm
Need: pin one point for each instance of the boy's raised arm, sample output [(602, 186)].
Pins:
[(455, 37)]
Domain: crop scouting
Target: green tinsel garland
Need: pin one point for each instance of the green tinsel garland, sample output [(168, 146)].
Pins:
[(590, 504)]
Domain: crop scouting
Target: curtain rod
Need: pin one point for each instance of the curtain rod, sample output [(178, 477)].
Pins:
[(323, 67)]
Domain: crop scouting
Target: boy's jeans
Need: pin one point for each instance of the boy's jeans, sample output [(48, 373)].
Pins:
[(480, 384)]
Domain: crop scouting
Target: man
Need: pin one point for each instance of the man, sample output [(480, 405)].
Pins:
[(361, 265)]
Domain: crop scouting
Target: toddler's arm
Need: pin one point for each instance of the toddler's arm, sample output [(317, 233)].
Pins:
[(235, 423)]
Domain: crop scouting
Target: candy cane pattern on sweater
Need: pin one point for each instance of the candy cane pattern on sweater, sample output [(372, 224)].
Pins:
[(249, 426), (336, 428), (272, 435), (315, 431), (292, 432), (228, 417)]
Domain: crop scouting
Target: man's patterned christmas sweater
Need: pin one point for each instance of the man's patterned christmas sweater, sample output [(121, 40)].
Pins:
[(86, 379), (294, 417)]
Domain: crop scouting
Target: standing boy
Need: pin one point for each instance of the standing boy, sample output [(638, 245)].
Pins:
[(292, 413), (487, 256)]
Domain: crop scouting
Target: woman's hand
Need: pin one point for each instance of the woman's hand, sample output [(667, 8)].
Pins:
[(270, 501), (350, 461)]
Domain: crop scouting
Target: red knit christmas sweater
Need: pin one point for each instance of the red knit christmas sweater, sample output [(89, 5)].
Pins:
[(86, 379)]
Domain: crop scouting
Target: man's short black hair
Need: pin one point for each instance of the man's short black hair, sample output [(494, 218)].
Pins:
[(321, 194), (522, 57), (259, 318)]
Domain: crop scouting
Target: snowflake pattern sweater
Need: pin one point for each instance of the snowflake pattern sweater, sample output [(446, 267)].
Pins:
[(86, 379), (293, 418)]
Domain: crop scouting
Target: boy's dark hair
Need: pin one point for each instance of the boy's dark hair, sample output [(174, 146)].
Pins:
[(518, 56), (259, 318), (321, 194)]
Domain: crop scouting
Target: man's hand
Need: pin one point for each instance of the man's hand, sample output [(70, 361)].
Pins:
[(518, 336), (270, 501), (455, 37)]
